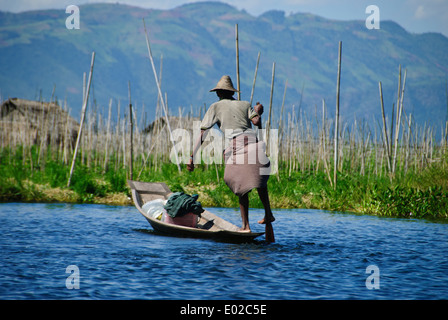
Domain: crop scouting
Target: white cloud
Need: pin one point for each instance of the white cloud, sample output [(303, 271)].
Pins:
[(420, 12), (428, 16)]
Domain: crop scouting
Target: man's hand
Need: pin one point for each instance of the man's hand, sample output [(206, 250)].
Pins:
[(190, 166), (257, 119), (259, 108)]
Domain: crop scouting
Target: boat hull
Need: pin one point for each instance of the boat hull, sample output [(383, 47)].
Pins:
[(210, 226)]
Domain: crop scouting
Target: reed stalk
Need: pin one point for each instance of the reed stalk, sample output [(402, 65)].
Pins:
[(83, 112), (131, 161), (255, 79), (268, 126), (386, 138), (399, 114), (336, 127)]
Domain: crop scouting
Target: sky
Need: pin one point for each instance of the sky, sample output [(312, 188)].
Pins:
[(415, 16)]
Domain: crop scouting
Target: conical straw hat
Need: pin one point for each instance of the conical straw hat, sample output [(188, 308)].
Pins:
[(225, 83)]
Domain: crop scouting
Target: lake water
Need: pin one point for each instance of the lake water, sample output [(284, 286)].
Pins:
[(318, 255)]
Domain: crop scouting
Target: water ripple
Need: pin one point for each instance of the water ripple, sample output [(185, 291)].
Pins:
[(318, 255)]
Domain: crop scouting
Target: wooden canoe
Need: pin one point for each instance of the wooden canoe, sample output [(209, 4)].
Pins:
[(209, 225)]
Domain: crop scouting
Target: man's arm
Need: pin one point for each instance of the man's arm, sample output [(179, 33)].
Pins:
[(257, 119)]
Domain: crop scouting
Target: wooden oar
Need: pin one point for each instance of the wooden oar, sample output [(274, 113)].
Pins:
[(269, 233)]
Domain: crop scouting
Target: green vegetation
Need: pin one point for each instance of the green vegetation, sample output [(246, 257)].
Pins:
[(412, 195), (20, 180)]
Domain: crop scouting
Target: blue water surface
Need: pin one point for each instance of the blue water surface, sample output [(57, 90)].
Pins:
[(317, 255)]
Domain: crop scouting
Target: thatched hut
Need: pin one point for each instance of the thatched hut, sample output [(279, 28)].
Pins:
[(25, 122), (158, 125)]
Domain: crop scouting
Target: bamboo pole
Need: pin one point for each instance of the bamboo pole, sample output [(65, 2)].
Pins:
[(408, 144), (397, 131), (398, 94), (336, 127), (117, 135), (137, 142), (391, 131), (255, 79), (107, 136), (65, 140), (386, 138), (158, 115), (83, 113), (324, 142), (84, 84), (268, 127), (123, 136), (280, 124), (161, 97), (131, 161), (160, 82), (257, 132), (237, 62)]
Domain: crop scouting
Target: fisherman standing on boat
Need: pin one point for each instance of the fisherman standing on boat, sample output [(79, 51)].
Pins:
[(247, 166)]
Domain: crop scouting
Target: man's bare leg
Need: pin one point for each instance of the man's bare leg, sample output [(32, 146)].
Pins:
[(244, 208), (264, 197)]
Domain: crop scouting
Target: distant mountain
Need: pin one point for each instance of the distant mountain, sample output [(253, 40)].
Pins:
[(197, 41)]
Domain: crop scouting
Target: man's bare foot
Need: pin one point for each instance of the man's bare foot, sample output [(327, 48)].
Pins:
[(245, 230), (267, 219)]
